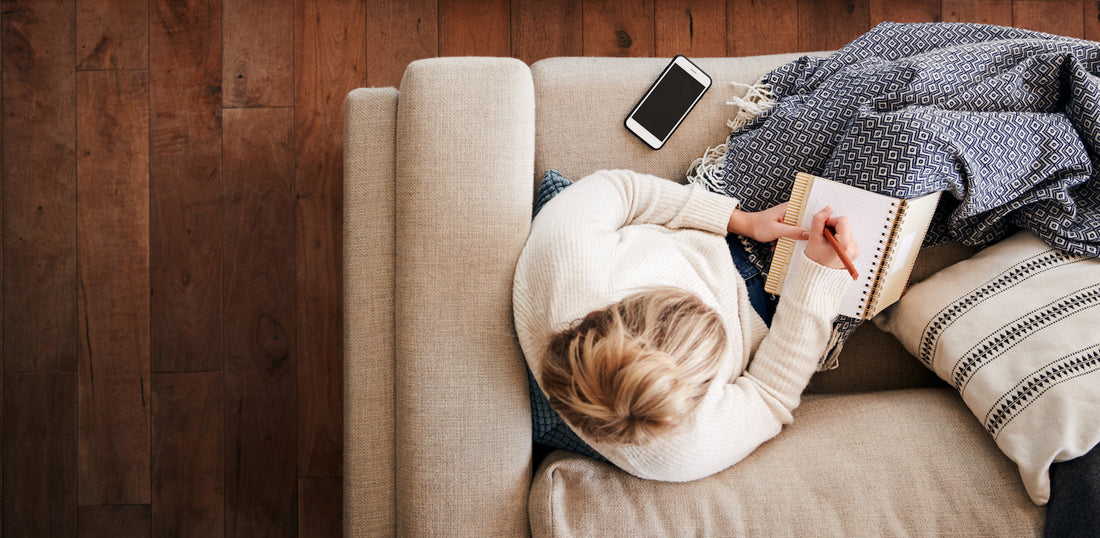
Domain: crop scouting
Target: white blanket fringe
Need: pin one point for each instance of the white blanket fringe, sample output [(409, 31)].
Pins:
[(757, 99)]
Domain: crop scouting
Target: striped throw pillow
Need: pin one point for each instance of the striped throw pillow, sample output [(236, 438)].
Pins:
[(1016, 330)]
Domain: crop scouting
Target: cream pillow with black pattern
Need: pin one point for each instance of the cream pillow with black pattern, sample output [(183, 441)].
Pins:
[(1016, 330)]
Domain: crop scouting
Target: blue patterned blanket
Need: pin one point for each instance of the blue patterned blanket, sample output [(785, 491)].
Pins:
[(1006, 120)]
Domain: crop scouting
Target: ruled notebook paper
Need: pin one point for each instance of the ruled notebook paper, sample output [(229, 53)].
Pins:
[(871, 216)]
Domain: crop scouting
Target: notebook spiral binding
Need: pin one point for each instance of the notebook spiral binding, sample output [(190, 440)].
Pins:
[(784, 247), (879, 276)]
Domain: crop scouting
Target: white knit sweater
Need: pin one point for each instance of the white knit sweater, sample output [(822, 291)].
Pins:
[(617, 232)]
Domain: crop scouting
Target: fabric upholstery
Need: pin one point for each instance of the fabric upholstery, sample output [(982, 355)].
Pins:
[(610, 88), (465, 148), (850, 465), (370, 119), (1014, 330)]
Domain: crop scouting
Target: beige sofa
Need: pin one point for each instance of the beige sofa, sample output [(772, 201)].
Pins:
[(438, 191)]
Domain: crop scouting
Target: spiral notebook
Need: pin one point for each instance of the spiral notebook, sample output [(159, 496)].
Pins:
[(889, 232)]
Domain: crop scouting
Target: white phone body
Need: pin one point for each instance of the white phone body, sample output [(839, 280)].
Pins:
[(667, 102)]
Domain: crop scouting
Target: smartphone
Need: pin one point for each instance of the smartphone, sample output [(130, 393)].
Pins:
[(667, 102)]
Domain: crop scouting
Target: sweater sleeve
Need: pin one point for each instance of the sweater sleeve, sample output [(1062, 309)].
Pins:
[(799, 335), (612, 199)]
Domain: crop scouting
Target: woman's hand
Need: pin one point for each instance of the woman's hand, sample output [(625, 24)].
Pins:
[(764, 226), (819, 249)]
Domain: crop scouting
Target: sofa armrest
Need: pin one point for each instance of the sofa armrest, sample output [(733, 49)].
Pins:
[(465, 162), (369, 166)]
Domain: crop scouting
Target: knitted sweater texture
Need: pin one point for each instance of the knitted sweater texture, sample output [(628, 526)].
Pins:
[(615, 233)]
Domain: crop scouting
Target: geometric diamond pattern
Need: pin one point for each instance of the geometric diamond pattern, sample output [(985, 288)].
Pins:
[(1006, 120)]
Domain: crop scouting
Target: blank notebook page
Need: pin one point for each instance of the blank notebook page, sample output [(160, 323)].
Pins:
[(870, 216)]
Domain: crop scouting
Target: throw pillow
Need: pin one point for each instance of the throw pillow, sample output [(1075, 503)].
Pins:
[(1016, 330), (548, 428)]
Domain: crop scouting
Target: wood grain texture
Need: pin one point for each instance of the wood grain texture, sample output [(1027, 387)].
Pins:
[(1092, 21), (757, 27), (330, 56), (910, 11), (188, 454), (618, 28), (185, 184), (113, 246), (480, 28), (39, 454), (1061, 18), (831, 24), (129, 521), (997, 12), (546, 29), (261, 425), (320, 507), (112, 34), (128, 338), (1, 291), (258, 53), (694, 28), (401, 32), (39, 133)]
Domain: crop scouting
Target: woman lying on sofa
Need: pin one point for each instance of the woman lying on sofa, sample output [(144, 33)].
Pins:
[(648, 330)]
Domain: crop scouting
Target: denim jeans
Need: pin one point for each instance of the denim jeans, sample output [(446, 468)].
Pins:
[(762, 301)]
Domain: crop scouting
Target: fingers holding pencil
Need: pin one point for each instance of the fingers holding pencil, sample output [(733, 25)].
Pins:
[(831, 242)]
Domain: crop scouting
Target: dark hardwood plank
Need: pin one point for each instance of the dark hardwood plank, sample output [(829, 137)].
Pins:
[(39, 454), (908, 11), (546, 29), (188, 455), (258, 53), (185, 184), (39, 86), (112, 34), (327, 70), (129, 521), (694, 28), (261, 470), (480, 28), (1092, 21), (113, 245), (1, 295), (761, 27), (401, 32), (320, 507), (997, 12), (829, 24), (1061, 18), (618, 28)]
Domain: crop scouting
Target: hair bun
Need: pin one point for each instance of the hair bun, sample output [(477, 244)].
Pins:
[(637, 369)]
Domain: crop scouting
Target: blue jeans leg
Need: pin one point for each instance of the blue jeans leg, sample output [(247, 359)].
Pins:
[(762, 301)]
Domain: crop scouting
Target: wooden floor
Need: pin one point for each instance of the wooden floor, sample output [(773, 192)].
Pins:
[(171, 174)]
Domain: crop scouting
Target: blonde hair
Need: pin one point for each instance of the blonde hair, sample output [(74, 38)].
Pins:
[(636, 369)]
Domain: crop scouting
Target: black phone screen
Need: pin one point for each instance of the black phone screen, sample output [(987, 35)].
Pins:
[(670, 100)]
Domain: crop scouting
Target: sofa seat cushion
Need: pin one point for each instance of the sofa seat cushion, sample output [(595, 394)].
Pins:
[(907, 462)]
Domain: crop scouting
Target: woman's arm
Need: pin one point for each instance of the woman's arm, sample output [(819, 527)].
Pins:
[(802, 325), (609, 200)]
